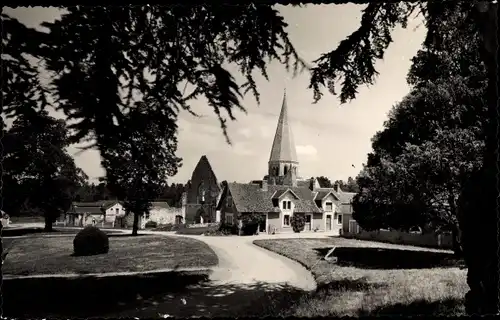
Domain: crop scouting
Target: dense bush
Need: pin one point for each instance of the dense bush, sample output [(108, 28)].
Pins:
[(217, 233), (298, 223), (250, 223), (223, 230), (151, 224), (229, 228), (90, 241)]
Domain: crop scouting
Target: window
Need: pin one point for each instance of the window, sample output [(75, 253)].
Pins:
[(229, 218), (201, 193), (117, 211), (287, 205), (329, 206), (286, 220), (229, 201), (339, 219)]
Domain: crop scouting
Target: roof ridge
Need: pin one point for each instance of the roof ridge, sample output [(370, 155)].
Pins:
[(204, 158)]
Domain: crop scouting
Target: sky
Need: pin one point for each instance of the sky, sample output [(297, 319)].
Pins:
[(331, 139)]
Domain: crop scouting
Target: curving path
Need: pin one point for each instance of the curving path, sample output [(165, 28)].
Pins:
[(249, 280)]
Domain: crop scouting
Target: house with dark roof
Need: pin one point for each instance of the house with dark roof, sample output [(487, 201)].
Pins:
[(282, 194), (101, 213)]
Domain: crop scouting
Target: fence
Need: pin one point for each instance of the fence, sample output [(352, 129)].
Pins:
[(432, 240)]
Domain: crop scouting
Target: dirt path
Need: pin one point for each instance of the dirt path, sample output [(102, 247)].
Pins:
[(248, 281)]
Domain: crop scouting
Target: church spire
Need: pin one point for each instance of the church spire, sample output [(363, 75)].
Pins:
[(284, 145), (283, 158)]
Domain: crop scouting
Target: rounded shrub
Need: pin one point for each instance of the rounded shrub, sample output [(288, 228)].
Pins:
[(90, 241), (151, 224), (298, 223)]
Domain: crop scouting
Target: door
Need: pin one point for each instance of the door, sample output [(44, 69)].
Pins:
[(328, 222), (263, 224), (178, 219), (308, 225)]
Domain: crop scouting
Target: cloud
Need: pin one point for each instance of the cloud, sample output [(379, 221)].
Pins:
[(307, 150)]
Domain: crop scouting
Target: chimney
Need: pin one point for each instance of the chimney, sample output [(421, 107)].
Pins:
[(264, 185), (314, 184)]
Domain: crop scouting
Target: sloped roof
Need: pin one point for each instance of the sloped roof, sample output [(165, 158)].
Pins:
[(324, 193), (160, 204), (304, 183), (346, 197), (279, 193), (283, 148), (205, 163), (251, 198), (104, 203), (91, 210)]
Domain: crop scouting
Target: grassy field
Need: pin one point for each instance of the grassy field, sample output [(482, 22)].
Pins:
[(372, 278), (39, 231), (53, 255), (27, 219)]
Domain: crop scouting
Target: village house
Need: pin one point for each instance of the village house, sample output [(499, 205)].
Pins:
[(112, 214), (100, 213), (280, 195), (162, 214)]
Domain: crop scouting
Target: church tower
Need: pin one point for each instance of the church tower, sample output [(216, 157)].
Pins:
[(283, 160)]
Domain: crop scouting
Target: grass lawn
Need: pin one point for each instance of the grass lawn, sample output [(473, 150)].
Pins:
[(53, 255), (372, 278), (27, 219), (38, 231)]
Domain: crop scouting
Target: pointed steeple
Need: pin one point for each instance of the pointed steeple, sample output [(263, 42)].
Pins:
[(283, 149)]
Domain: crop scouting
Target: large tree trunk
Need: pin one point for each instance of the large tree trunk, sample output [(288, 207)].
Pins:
[(135, 226), (457, 245), (2, 257), (478, 205), (48, 223)]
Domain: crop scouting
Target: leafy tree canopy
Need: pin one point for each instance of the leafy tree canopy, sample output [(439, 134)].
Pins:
[(43, 176)]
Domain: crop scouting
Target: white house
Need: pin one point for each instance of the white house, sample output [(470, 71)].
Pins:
[(100, 213)]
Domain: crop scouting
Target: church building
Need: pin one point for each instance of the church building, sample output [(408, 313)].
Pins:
[(282, 194)]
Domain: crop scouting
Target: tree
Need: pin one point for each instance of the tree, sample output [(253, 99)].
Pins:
[(22, 90), (444, 110), (441, 168), (421, 186), (324, 182), (353, 63), (349, 186), (138, 167), (36, 162), (156, 51), (228, 34)]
